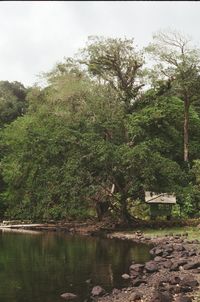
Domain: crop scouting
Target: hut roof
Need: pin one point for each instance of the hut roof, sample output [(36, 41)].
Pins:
[(162, 198)]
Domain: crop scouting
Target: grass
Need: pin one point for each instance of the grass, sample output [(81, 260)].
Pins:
[(193, 232)]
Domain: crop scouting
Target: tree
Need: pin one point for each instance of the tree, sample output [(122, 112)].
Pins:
[(12, 101), (115, 62), (179, 64)]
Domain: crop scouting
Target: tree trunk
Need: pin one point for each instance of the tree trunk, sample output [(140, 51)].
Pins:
[(186, 130), (125, 216)]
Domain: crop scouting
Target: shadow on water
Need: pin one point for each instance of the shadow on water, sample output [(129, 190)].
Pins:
[(40, 267)]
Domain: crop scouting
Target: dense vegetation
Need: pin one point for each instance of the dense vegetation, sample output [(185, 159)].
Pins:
[(103, 131)]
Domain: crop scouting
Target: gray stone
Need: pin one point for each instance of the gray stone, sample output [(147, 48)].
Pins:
[(158, 252), (134, 297), (158, 259), (188, 282), (151, 267), (174, 280), (167, 264), (125, 276), (68, 296), (183, 299), (97, 291), (136, 267), (161, 297), (116, 291), (137, 282), (191, 265)]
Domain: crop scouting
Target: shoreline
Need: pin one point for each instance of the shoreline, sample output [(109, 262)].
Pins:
[(173, 274)]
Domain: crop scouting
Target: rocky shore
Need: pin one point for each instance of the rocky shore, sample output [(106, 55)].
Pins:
[(173, 274)]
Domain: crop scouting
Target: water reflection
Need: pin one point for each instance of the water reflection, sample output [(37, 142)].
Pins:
[(40, 268)]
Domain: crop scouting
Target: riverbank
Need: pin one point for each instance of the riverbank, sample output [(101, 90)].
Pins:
[(94, 227)]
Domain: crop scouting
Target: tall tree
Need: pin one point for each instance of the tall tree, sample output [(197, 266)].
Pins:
[(116, 62), (178, 62)]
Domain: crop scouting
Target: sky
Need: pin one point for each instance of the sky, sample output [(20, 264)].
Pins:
[(35, 35)]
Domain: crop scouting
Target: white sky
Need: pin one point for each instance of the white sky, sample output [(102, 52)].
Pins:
[(34, 35)]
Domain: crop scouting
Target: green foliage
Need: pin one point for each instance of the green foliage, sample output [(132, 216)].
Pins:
[(117, 63), (89, 130), (12, 101)]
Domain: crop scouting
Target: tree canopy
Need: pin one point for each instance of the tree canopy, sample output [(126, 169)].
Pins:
[(98, 136)]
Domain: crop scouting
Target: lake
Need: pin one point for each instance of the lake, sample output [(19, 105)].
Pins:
[(39, 267)]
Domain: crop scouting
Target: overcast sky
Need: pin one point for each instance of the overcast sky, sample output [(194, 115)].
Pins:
[(34, 35)]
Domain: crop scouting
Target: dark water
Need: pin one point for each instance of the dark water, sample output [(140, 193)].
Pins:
[(39, 267)]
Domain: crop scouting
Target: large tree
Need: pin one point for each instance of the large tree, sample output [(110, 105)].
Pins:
[(178, 63), (116, 62)]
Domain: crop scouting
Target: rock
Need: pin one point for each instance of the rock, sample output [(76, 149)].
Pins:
[(175, 289), (115, 291), (125, 276), (152, 251), (177, 236), (97, 291), (196, 271), (174, 280), (183, 299), (188, 283), (177, 263), (192, 253), (158, 252), (151, 267), (167, 264), (165, 254), (169, 257), (68, 296), (134, 274), (137, 282), (179, 248), (161, 297), (191, 265), (134, 297), (158, 259), (136, 267)]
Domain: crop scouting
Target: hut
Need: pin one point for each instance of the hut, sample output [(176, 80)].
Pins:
[(160, 204)]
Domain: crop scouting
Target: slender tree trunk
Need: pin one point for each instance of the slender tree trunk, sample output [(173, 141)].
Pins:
[(186, 130), (125, 216)]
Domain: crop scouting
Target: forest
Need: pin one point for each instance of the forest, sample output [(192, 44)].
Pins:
[(100, 129)]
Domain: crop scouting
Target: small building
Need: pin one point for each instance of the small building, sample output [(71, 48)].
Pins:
[(160, 204)]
